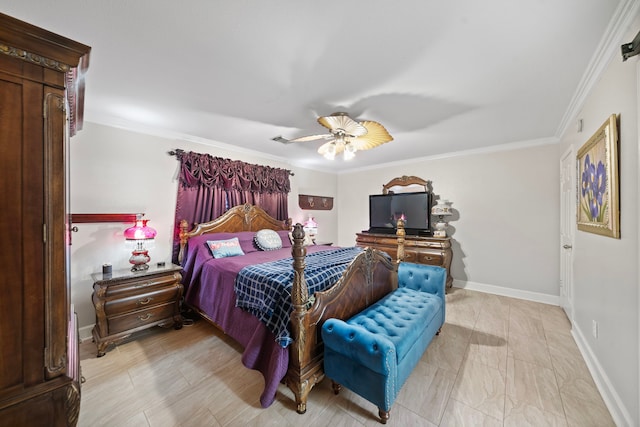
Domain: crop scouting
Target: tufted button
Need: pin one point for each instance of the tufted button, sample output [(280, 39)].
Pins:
[(330, 328), (352, 336)]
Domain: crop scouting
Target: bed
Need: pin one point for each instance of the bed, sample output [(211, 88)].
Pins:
[(297, 360)]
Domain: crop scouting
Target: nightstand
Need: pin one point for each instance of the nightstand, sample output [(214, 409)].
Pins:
[(128, 302)]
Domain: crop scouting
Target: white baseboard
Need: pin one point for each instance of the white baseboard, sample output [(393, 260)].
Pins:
[(618, 411), (85, 333), (508, 292)]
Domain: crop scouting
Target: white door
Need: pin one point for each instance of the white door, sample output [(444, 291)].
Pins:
[(567, 224)]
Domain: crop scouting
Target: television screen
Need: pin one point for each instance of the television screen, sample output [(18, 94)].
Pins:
[(386, 209)]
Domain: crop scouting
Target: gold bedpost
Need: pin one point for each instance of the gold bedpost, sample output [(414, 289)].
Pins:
[(299, 298), (400, 233), (184, 227)]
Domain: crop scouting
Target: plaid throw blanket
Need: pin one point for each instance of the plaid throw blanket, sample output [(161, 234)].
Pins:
[(265, 289)]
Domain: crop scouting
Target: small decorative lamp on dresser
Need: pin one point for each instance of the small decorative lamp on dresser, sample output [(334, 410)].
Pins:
[(128, 302)]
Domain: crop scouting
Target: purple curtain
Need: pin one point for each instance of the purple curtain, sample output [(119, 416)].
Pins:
[(209, 186)]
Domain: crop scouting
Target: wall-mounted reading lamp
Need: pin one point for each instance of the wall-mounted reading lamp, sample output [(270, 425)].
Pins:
[(631, 49)]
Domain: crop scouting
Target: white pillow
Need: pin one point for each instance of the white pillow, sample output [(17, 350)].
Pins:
[(306, 242), (268, 240)]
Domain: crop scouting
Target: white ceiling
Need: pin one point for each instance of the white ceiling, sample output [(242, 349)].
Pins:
[(441, 76)]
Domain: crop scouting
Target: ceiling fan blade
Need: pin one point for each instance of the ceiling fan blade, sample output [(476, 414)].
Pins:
[(342, 121), (327, 136), (312, 138), (376, 135)]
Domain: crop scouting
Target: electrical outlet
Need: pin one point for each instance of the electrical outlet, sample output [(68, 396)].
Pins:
[(594, 328)]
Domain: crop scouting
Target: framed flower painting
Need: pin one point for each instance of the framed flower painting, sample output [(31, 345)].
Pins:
[(598, 188)]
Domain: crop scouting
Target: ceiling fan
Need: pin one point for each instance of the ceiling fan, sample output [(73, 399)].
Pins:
[(345, 135)]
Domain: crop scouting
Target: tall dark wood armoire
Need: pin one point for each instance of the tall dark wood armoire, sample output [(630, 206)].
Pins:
[(40, 108)]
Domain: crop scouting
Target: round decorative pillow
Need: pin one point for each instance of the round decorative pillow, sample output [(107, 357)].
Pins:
[(268, 240)]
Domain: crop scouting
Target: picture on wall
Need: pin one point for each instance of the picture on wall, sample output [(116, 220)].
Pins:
[(598, 191)]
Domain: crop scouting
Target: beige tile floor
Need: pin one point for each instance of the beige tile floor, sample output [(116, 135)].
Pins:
[(498, 362)]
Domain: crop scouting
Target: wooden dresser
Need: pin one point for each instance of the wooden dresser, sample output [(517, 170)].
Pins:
[(40, 108), (127, 302), (418, 249)]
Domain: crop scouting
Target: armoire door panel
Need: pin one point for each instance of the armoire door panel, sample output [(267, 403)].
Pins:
[(31, 230), (10, 235), (56, 296)]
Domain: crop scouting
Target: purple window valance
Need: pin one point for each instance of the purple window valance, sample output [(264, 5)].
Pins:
[(197, 169), (209, 185)]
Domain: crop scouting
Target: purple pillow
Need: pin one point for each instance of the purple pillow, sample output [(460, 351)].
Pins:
[(284, 236)]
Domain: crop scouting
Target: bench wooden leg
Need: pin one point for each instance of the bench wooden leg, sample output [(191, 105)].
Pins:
[(384, 415), (336, 387), (439, 329)]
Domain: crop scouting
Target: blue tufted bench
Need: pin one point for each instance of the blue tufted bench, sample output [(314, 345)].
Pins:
[(375, 351)]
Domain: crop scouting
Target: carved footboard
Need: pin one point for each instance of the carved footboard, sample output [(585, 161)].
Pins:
[(367, 279)]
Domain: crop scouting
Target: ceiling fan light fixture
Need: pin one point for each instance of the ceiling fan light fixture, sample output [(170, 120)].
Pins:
[(345, 135), (330, 153), (349, 151)]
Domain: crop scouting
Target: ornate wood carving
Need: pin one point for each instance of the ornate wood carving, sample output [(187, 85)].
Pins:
[(48, 50), (73, 404), (404, 181), (319, 203), (55, 307), (239, 218), (34, 58), (400, 234)]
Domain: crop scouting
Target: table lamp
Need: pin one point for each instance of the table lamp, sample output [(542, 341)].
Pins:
[(140, 233), (442, 210)]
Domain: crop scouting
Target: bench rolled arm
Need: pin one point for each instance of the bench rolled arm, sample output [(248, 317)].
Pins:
[(422, 277), (373, 351)]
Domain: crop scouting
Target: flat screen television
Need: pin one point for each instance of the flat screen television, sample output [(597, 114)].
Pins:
[(414, 208)]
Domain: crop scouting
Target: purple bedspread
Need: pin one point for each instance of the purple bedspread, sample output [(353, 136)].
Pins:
[(209, 287)]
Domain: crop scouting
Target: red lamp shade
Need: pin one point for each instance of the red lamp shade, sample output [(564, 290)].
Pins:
[(139, 233)]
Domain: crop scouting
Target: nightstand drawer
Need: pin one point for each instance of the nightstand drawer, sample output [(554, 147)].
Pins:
[(140, 318), (141, 300), (139, 285), (425, 258)]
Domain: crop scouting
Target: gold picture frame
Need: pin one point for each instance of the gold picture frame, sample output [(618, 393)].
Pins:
[(598, 208)]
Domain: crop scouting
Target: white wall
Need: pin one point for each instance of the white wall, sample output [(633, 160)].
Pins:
[(606, 269), (118, 171), (505, 229)]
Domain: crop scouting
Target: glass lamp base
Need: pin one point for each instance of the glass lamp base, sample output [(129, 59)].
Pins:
[(140, 267), (139, 259), (441, 229)]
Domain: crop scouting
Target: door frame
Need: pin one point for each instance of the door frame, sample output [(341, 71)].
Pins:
[(567, 216)]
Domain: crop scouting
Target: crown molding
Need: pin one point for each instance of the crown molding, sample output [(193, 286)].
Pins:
[(608, 47), (484, 150)]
